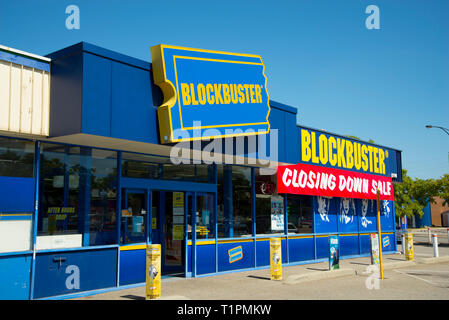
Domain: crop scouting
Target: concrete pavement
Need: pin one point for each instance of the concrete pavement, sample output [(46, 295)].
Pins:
[(313, 281)]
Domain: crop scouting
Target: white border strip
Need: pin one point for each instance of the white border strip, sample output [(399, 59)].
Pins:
[(31, 55)]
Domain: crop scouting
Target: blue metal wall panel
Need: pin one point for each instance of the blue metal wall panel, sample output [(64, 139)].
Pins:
[(66, 94), (325, 211), (349, 245), (15, 277), (205, 257), (17, 195), (367, 221), (263, 252), (55, 273), (292, 151), (365, 246), (347, 215), (132, 266), (322, 247), (133, 114), (387, 215), (246, 260), (96, 95), (425, 220), (189, 258), (301, 249), (277, 122)]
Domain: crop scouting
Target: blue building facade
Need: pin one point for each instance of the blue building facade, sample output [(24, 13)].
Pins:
[(101, 186)]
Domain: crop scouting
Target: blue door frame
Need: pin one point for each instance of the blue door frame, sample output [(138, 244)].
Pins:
[(190, 189)]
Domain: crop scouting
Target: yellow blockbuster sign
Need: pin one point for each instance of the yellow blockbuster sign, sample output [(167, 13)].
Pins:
[(328, 150), (209, 94)]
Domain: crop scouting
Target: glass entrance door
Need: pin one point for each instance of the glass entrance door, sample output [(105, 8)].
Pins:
[(168, 229)]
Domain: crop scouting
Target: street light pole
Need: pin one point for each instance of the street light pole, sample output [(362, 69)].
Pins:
[(444, 129)]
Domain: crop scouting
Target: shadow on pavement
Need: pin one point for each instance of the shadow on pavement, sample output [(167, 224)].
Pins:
[(133, 297), (258, 277), (318, 269), (360, 263)]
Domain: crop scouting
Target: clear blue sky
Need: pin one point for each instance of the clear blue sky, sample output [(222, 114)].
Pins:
[(384, 84)]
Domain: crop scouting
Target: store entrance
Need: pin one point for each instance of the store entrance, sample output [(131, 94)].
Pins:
[(164, 224), (170, 207)]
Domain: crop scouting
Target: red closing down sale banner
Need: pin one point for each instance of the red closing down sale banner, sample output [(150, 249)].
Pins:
[(328, 182)]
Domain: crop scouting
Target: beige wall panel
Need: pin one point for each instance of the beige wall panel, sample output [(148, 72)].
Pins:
[(4, 94), (46, 104), (24, 99), (27, 100), (16, 96), (36, 119)]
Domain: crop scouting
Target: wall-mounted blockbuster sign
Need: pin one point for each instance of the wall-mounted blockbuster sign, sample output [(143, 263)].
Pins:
[(209, 94)]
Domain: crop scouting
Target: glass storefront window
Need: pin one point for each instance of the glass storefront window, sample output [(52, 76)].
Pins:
[(103, 204), (77, 195), (299, 213), (269, 205), (133, 217), (155, 167), (59, 191), (16, 158), (205, 216), (270, 215), (234, 201)]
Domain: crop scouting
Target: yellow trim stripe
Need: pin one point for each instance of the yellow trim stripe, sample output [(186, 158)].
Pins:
[(136, 247), (235, 241), (15, 214), (209, 51), (300, 237), (200, 243), (268, 239)]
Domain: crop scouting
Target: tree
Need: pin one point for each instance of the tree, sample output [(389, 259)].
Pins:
[(424, 191), (357, 138), (411, 196), (403, 195), (443, 188)]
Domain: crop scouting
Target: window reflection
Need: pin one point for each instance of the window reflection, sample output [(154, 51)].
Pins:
[(299, 214), (234, 201)]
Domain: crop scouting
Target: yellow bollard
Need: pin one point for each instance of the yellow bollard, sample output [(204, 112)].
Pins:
[(379, 230), (153, 271), (409, 254), (275, 259)]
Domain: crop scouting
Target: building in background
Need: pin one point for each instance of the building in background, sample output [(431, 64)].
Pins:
[(435, 215)]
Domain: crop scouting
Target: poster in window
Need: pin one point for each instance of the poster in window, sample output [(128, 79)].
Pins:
[(178, 232), (277, 213), (178, 199)]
